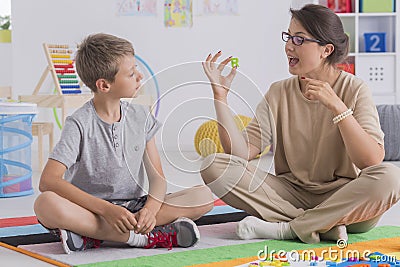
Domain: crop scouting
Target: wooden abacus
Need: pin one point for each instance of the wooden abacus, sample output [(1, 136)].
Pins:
[(66, 82), (62, 69), (67, 85)]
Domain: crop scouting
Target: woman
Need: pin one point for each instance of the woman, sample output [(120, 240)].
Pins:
[(329, 176)]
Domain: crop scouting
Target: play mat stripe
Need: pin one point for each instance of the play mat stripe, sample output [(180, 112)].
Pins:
[(221, 255), (222, 210), (34, 255), (219, 202), (22, 230), (18, 221)]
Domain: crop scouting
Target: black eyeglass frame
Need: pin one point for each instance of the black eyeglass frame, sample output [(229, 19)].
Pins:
[(301, 38)]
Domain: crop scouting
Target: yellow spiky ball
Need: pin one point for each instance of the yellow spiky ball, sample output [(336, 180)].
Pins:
[(206, 139)]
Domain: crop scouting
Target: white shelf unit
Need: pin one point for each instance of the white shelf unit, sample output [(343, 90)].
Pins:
[(380, 70)]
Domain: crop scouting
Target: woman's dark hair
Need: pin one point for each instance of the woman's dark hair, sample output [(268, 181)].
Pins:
[(324, 25)]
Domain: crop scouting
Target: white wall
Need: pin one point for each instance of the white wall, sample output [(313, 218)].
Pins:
[(5, 64), (5, 7), (253, 37), (5, 50)]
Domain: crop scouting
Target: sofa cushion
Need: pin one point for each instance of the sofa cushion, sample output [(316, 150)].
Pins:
[(389, 116)]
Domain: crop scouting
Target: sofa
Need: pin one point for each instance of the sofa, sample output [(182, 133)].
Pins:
[(389, 117)]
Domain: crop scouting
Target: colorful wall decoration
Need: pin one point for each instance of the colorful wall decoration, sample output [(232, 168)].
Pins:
[(137, 7), (218, 7), (178, 13)]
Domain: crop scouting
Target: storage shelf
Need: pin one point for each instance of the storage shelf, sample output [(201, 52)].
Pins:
[(345, 15), (391, 14), (362, 14), (364, 54)]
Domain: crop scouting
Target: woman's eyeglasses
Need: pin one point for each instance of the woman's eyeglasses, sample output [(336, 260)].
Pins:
[(297, 40)]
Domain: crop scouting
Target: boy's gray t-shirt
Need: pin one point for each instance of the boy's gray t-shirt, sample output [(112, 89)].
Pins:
[(106, 160)]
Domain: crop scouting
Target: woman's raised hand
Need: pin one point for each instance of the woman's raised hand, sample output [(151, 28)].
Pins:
[(220, 84)]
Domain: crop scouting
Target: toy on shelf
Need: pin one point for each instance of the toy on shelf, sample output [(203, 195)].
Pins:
[(374, 6), (375, 42), (340, 6), (348, 65)]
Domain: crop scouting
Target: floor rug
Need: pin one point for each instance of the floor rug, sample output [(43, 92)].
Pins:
[(31, 254), (219, 246), (20, 226), (18, 221), (27, 230)]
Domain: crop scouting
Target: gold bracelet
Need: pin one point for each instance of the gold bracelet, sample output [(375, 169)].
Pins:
[(342, 116)]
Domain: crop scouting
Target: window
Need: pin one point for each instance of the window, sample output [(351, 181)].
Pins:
[(5, 7)]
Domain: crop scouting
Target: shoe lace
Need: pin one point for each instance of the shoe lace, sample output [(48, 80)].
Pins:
[(161, 239), (55, 232), (90, 242)]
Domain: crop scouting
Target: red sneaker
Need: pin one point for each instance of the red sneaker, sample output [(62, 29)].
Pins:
[(181, 233)]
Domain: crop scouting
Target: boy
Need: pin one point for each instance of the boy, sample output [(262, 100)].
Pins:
[(101, 153)]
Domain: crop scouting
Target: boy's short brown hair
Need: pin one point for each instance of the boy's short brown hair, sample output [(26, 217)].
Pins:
[(99, 56)]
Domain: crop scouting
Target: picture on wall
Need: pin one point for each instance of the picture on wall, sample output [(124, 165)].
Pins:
[(137, 7), (178, 13), (217, 7)]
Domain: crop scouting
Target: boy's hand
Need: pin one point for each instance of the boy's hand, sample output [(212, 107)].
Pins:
[(146, 221), (120, 218)]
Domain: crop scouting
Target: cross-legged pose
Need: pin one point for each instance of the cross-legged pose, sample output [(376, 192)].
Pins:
[(93, 185), (328, 145)]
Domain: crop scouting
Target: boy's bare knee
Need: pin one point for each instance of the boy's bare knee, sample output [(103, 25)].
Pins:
[(46, 209), (208, 207), (43, 201)]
